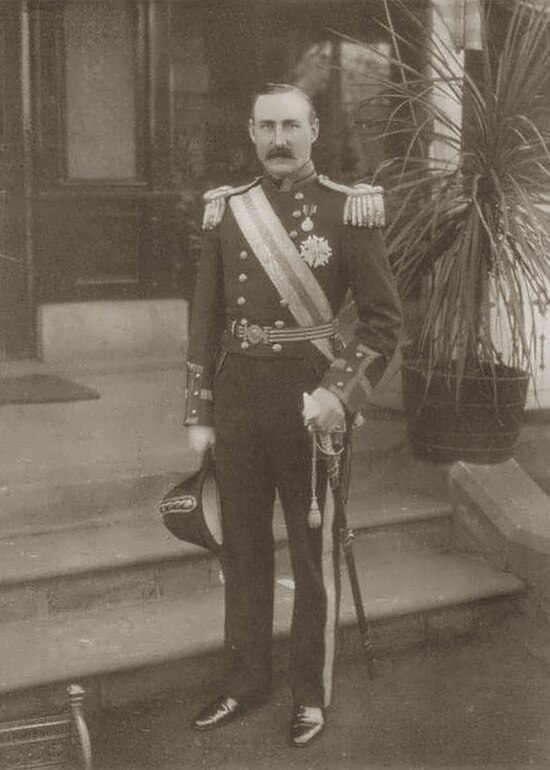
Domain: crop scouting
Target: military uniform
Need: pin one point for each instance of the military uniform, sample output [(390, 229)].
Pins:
[(249, 364)]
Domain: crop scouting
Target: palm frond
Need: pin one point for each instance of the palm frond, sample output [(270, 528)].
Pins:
[(474, 229)]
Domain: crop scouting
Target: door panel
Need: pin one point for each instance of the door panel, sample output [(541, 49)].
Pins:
[(102, 117), (89, 247), (99, 43), (17, 328)]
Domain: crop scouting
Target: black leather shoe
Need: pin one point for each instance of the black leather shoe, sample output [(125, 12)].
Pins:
[(223, 710), (306, 724)]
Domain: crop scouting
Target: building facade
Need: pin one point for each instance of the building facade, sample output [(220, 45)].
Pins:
[(115, 115)]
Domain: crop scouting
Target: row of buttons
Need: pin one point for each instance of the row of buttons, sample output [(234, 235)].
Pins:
[(197, 379), (350, 369), (276, 347), (242, 301), (243, 278)]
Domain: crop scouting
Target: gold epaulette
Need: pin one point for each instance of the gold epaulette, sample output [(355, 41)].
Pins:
[(215, 203), (364, 205)]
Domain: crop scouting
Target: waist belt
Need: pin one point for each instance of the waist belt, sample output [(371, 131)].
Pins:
[(254, 334)]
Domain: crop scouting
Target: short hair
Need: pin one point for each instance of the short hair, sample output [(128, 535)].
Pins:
[(270, 89)]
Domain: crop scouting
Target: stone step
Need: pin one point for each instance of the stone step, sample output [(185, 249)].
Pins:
[(38, 509), (79, 332), (106, 475), (122, 654), (67, 464), (385, 475), (47, 508), (133, 559)]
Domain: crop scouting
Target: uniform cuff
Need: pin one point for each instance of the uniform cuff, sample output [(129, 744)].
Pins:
[(354, 374), (199, 404)]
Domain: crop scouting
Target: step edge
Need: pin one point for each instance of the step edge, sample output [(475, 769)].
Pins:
[(441, 510), (175, 550), (214, 644), (428, 507), (465, 598)]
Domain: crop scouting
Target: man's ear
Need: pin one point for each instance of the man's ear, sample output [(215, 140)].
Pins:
[(315, 130), (251, 130)]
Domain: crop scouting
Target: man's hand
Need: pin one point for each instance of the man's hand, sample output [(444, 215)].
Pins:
[(330, 416), (201, 437)]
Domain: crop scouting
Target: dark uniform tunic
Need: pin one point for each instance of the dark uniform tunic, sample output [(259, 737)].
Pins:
[(252, 395)]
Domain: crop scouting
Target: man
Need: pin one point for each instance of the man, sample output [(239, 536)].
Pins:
[(279, 255)]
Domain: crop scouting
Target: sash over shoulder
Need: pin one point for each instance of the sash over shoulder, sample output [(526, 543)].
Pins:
[(215, 201), (276, 252)]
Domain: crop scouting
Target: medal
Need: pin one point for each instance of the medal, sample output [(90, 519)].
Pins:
[(315, 251), (307, 224)]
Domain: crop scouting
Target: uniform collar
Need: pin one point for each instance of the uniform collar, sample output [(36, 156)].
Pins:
[(292, 182)]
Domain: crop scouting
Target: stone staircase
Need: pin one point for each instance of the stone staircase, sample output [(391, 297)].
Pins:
[(102, 595)]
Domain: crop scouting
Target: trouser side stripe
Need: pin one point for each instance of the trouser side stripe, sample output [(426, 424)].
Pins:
[(329, 582)]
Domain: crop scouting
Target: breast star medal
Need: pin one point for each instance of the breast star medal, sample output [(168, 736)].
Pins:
[(307, 223), (315, 251)]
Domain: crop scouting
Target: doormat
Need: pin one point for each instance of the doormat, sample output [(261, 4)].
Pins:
[(42, 389)]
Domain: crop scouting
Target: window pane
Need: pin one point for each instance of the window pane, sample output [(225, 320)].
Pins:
[(190, 78), (366, 110), (100, 90)]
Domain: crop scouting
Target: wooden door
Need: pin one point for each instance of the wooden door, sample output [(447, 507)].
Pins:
[(106, 218), (16, 267), (139, 105)]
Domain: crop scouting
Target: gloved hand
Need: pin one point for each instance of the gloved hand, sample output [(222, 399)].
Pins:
[(200, 438), (330, 415)]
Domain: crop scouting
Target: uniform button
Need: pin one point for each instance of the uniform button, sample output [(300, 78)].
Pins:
[(243, 254), (193, 411), (243, 278), (244, 344), (297, 214), (349, 368), (340, 384), (293, 234), (277, 347), (283, 302), (359, 354), (279, 324), (299, 196), (196, 392), (241, 300)]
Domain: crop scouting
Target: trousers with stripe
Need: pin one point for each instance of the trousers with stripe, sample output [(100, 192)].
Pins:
[(262, 447)]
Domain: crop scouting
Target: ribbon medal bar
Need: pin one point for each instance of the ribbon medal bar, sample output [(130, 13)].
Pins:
[(307, 224)]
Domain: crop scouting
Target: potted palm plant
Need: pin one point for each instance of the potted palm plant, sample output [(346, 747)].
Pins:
[(471, 230)]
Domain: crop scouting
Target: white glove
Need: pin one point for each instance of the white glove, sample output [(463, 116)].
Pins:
[(325, 411), (200, 438)]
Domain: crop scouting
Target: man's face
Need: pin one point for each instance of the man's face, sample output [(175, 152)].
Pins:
[(283, 133)]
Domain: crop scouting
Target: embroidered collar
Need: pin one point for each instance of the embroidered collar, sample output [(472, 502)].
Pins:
[(299, 178)]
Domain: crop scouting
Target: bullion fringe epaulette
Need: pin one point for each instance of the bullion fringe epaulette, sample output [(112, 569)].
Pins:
[(215, 201), (364, 205)]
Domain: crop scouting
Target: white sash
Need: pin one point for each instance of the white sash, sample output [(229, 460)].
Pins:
[(279, 257)]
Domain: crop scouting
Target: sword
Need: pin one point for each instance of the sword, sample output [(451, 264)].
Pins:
[(339, 484)]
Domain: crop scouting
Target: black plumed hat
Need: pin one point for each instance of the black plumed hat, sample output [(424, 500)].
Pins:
[(191, 510)]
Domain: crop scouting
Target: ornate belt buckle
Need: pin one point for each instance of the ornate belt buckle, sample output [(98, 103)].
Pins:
[(255, 334)]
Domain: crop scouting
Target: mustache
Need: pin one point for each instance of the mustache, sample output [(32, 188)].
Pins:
[(280, 152)]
